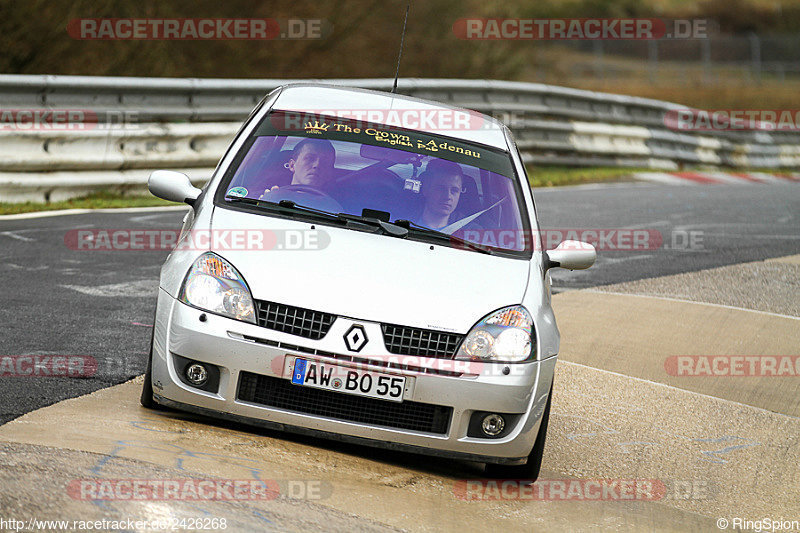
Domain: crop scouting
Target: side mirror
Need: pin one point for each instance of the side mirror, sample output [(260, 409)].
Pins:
[(572, 255), (173, 186)]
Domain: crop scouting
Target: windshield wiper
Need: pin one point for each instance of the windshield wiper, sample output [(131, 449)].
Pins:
[(241, 200), (285, 206), (288, 204), (388, 228), (416, 229)]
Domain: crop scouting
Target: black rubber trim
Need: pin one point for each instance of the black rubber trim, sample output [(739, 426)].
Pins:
[(410, 448)]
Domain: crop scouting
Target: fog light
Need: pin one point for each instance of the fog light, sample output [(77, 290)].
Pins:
[(493, 425), (198, 375)]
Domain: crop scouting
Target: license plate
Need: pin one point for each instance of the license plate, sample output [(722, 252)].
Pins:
[(340, 379)]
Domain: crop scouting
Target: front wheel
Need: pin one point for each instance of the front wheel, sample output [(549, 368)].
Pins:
[(530, 470), (147, 388)]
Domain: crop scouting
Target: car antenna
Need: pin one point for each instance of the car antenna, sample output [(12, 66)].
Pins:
[(400, 54)]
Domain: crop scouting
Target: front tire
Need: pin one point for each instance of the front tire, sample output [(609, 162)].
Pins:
[(146, 398), (530, 470)]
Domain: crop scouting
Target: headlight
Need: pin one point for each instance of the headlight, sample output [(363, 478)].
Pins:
[(505, 336), (215, 286)]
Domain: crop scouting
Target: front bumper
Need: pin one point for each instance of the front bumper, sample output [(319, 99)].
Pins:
[(223, 342)]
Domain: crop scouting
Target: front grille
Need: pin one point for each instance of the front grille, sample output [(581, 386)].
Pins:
[(282, 394), (294, 320), (403, 340)]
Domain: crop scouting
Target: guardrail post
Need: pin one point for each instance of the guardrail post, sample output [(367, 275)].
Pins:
[(705, 51), (599, 71), (755, 55), (652, 59)]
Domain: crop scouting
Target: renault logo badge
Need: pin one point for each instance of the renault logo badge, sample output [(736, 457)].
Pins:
[(355, 338)]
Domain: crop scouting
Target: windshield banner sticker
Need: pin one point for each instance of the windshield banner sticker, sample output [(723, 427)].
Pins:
[(344, 129)]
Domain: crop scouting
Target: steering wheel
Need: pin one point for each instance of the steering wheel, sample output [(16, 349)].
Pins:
[(304, 189), (318, 198)]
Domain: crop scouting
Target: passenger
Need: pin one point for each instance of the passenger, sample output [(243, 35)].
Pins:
[(442, 185)]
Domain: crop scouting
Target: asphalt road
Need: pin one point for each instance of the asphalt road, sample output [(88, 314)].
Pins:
[(60, 301), (728, 225)]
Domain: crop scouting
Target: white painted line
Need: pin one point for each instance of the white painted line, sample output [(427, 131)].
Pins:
[(180, 207), (62, 212), (729, 178), (663, 178), (132, 289), (666, 178), (608, 261), (648, 224), (589, 186), (14, 235), (769, 178), (752, 236)]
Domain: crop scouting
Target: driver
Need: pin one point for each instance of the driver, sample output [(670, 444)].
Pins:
[(442, 185), (311, 163)]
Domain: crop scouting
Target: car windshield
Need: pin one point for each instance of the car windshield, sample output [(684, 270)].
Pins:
[(425, 182)]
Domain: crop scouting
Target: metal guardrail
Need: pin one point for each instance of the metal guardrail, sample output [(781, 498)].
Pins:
[(184, 123)]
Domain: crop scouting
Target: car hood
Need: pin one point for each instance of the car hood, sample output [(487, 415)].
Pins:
[(371, 276)]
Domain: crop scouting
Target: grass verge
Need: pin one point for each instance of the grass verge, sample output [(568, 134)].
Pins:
[(558, 176), (97, 200)]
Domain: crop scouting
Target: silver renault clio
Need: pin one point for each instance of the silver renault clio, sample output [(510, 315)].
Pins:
[(364, 266)]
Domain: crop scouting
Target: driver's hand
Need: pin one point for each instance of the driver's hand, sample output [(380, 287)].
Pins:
[(274, 188)]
